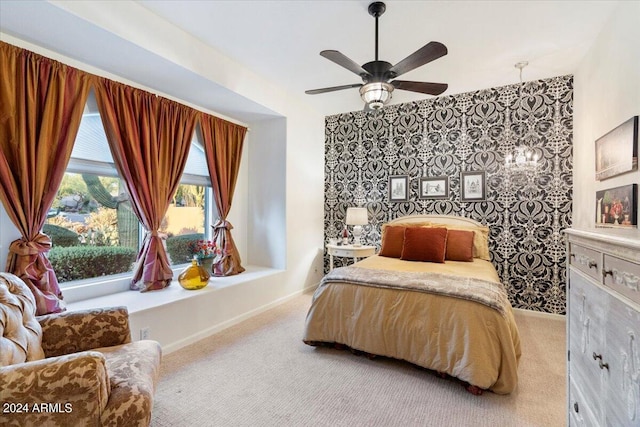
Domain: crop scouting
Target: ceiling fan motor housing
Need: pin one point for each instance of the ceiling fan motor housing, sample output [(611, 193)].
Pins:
[(378, 71)]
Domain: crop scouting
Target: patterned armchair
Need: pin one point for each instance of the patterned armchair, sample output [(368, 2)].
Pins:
[(71, 368)]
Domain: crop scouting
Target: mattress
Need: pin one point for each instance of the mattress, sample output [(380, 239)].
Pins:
[(462, 337)]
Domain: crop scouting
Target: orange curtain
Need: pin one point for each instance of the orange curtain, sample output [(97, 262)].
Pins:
[(149, 139), (41, 104), (223, 142)]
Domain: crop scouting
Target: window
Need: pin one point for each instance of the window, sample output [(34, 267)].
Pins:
[(91, 223), (184, 222)]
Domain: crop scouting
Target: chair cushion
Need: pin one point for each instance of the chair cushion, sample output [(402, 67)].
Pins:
[(76, 385), (20, 332)]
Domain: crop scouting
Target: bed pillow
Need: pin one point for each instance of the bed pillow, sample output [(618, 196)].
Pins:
[(407, 224), (480, 238), (424, 244), (392, 245), (392, 241), (459, 245)]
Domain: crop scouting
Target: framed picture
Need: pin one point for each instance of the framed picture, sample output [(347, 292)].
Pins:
[(398, 188), (436, 187), (473, 186), (617, 207), (617, 151)]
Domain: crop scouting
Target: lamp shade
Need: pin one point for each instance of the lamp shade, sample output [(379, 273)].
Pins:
[(376, 94), (357, 216)]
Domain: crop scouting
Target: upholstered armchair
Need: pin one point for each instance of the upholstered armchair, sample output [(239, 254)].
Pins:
[(72, 368)]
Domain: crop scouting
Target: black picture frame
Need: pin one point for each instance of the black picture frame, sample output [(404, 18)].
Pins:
[(617, 207), (398, 188), (434, 187), (617, 151), (473, 186)]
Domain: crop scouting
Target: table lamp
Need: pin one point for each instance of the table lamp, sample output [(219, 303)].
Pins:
[(357, 217)]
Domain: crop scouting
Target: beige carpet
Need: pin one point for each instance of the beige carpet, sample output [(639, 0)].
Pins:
[(259, 373)]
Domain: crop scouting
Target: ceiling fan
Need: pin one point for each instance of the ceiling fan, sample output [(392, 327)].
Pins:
[(377, 88)]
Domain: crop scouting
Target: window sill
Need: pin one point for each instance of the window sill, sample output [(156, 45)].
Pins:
[(138, 302)]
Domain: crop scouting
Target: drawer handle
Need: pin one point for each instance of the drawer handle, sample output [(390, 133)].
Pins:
[(593, 264), (572, 255), (606, 273), (600, 363), (575, 407)]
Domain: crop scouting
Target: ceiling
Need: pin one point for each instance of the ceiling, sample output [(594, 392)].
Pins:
[(281, 41)]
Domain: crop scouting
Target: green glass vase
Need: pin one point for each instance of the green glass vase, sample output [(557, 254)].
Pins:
[(194, 277), (207, 264)]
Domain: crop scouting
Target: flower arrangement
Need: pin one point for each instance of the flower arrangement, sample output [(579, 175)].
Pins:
[(202, 248), (616, 209)]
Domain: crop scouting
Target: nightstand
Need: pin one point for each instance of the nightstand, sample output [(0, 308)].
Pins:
[(349, 251)]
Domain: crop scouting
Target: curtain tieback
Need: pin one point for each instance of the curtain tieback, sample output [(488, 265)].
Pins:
[(156, 233), (22, 247), (223, 223)]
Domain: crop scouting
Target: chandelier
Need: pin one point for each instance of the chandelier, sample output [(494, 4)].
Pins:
[(522, 158)]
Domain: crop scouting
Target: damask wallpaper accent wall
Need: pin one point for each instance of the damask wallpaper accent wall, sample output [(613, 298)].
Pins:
[(472, 131)]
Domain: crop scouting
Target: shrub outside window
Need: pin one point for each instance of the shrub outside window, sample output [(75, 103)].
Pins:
[(93, 230)]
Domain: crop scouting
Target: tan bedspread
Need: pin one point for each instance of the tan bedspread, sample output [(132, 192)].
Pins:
[(464, 338)]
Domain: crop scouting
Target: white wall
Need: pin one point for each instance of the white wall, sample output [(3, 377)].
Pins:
[(607, 93), (278, 208), (267, 209)]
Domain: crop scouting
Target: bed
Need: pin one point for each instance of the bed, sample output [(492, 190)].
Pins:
[(452, 317)]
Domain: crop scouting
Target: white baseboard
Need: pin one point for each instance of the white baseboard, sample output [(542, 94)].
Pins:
[(205, 333)]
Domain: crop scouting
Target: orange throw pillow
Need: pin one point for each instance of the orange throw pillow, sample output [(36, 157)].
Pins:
[(392, 241), (424, 244), (459, 245)]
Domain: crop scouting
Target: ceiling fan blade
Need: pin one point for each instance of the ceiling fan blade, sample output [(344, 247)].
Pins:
[(331, 89), (422, 87), (343, 61), (424, 55)]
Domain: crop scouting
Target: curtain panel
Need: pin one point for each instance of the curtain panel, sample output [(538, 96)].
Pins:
[(41, 105), (223, 143), (149, 137)]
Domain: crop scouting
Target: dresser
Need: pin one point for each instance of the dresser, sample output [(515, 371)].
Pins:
[(603, 327)]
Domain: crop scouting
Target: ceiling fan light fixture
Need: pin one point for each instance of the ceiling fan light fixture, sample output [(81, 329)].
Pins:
[(376, 94)]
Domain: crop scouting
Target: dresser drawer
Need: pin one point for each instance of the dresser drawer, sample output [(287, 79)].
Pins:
[(580, 415), (587, 260), (622, 276), (341, 252)]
